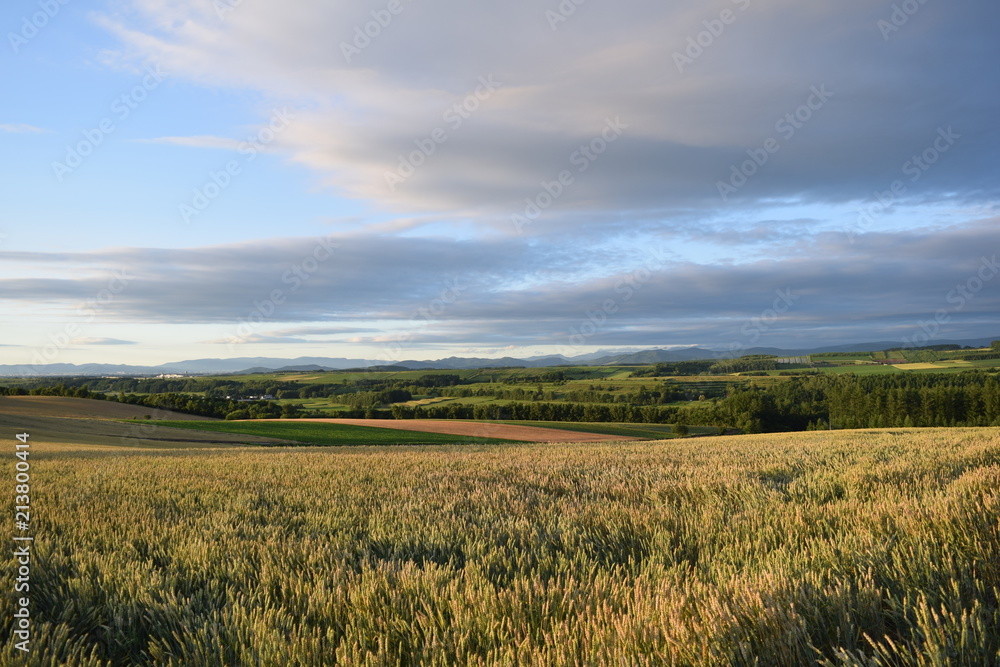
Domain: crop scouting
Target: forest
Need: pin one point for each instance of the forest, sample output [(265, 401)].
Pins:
[(800, 403)]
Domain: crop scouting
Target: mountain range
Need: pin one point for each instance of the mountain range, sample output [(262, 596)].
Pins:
[(244, 365)]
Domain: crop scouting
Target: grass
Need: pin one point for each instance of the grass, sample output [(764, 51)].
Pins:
[(309, 433), (870, 547), (916, 367)]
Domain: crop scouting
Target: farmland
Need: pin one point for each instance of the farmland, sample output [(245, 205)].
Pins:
[(926, 387), (310, 433), (324, 432), (62, 434), (78, 408), (875, 547), (647, 431)]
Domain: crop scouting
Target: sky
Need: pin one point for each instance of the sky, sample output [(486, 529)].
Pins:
[(418, 179)]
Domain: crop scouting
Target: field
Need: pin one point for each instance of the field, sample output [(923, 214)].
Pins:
[(75, 423), (319, 431), (643, 431), (523, 432), (81, 408), (309, 432), (63, 434), (877, 547)]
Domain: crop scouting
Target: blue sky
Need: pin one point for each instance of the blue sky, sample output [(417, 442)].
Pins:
[(395, 180)]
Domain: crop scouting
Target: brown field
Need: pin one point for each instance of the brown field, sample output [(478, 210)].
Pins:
[(479, 430), (83, 408)]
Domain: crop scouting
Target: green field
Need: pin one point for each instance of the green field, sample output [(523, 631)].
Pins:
[(835, 548), (310, 433), (938, 367)]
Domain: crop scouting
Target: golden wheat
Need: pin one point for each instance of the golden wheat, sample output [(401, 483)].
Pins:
[(831, 548)]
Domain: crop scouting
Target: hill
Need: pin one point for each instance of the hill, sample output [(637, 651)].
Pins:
[(83, 408)]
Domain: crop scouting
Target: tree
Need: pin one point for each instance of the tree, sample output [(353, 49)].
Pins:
[(290, 410), (995, 345), (680, 430)]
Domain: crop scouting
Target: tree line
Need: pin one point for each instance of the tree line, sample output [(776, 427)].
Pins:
[(970, 398)]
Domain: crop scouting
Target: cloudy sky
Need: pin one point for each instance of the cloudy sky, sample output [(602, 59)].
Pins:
[(422, 178)]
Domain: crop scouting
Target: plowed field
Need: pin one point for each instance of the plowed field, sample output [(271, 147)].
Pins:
[(478, 429)]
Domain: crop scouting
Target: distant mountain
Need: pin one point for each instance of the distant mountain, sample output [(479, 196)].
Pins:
[(241, 363), (654, 356), (309, 368), (593, 356), (247, 365), (26, 370), (464, 363), (189, 367)]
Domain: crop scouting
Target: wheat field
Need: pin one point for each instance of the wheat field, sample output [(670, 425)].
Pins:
[(877, 547)]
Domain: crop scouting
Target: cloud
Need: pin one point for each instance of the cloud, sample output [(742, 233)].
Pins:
[(320, 331), (101, 341), (672, 171), (689, 115), (197, 142), (257, 339), (20, 128), (513, 292)]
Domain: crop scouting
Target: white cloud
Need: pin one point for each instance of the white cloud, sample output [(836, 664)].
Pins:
[(20, 128), (197, 142), (257, 339)]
